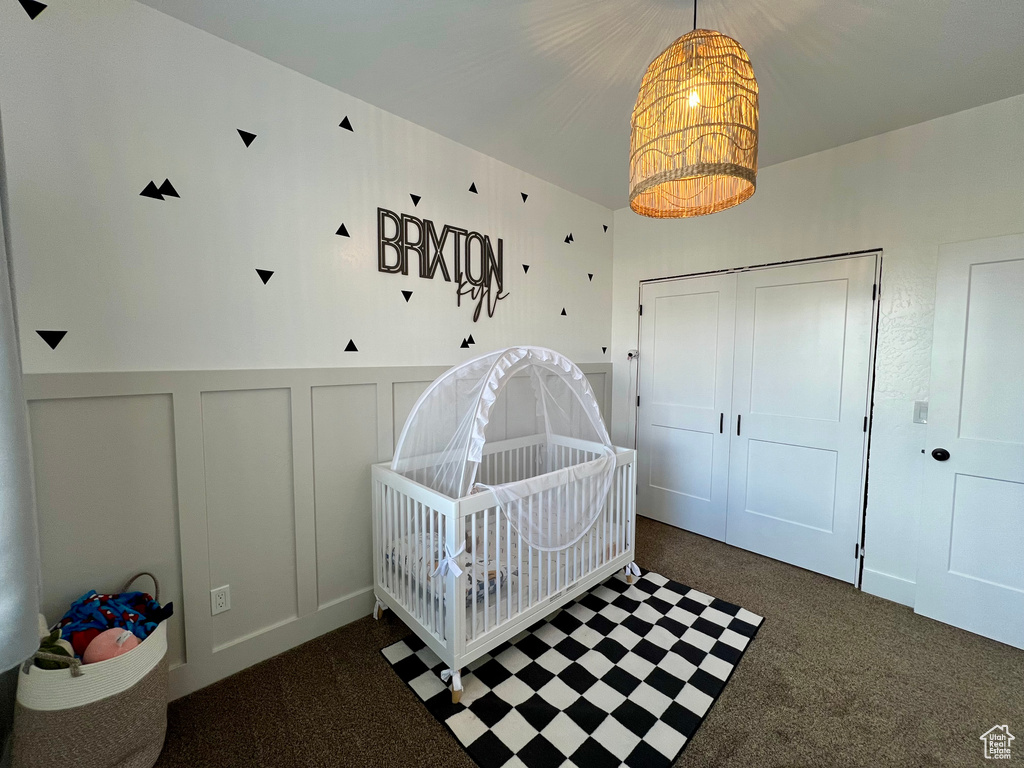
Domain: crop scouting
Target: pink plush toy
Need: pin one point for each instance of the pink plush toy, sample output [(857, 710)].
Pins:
[(108, 644)]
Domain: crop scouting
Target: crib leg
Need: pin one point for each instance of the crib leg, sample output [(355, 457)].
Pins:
[(455, 676), (632, 571), (456, 686), (378, 610)]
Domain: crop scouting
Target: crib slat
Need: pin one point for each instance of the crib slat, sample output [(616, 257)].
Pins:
[(590, 537), (605, 532), (471, 549), (386, 545), (519, 554), (428, 582), (410, 554), (440, 607), (497, 565), (406, 560), (576, 502), (415, 562), (414, 567), (623, 490), (545, 510), (424, 560), (396, 546), (486, 572), (508, 566), (393, 540), (533, 576), (561, 571)]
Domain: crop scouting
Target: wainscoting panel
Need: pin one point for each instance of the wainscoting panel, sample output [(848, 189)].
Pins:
[(107, 499), (597, 383), (258, 479), (247, 450), (344, 447), (406, 393)]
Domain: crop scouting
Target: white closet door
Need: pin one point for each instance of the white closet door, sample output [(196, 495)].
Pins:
[(800, 394), (971, 559), (685, 389)]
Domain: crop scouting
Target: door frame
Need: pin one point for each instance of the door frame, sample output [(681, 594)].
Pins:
[(878, 253)]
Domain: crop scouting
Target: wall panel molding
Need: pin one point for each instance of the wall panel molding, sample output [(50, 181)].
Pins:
[(338, 421)]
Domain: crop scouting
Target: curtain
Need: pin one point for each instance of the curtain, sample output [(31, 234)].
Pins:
[(19, 542)]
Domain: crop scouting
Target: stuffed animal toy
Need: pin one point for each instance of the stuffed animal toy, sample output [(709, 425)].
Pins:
[(51, 642), (108, 644)]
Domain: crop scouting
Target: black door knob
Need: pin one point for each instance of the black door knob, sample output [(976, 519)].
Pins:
[(940, 454)]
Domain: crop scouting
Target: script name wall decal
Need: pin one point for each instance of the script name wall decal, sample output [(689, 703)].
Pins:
[(476, 268)]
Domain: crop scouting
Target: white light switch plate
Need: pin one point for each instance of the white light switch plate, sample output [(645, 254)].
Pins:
[(920, 411)]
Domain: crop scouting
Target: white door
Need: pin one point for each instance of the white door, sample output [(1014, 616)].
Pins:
[(800, 397), (971, 560), (685, 389)]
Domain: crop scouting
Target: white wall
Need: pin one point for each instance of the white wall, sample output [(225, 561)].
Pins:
[(954, 178), (100, 97)]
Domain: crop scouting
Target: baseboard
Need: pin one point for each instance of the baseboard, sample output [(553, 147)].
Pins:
[(890, 587)]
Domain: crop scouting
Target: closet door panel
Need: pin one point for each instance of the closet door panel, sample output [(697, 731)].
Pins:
[(685, 375), (800, 389)]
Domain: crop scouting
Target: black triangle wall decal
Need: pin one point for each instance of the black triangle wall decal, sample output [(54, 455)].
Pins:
[(591, 276), (151, 191), (415, 200), (570, 238), (472, 188), (408, 295), (351, 347), (526, 268), (167, 190), (52, 338), (524, 196), (605, 227), (563, 312), (265, 274), (464, 345), (342, 230), (345, 124), (470, 339), (567, 239), (247, 137), (604, 350), (33, 9)]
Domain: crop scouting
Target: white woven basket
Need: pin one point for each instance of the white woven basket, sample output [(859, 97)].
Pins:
[(110, 714), (53, 689)]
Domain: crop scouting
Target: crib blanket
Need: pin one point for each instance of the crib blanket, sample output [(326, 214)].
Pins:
[(409, 547)]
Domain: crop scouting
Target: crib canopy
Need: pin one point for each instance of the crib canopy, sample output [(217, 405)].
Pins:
[(531, 393)]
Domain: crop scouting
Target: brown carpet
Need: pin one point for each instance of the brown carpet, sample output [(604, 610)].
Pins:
[(835, 677)]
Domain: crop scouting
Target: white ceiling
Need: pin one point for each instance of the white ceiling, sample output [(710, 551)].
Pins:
[(548, 85)]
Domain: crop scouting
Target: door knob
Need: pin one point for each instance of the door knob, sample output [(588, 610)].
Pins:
[(940, 454)]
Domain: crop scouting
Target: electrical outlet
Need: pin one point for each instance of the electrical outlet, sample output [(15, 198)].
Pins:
[(220, 599)]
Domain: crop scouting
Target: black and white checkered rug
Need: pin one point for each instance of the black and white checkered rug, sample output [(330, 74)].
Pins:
[(622, 676)]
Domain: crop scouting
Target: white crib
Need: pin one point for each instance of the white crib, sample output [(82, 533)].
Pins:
[(505, 584)]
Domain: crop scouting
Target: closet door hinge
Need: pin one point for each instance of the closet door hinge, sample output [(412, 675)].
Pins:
[(874, 291), (641, 309), (865, 423), (638, 401), (858, 550)]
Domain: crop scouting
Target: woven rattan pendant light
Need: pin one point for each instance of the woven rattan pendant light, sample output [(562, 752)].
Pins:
[(693, 147)]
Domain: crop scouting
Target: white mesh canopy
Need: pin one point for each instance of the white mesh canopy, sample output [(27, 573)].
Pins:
[(524, 423)]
